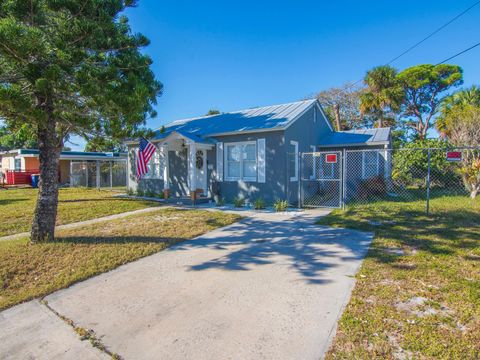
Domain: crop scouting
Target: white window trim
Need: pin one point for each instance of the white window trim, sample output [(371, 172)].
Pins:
[(314, 165), (157, 161), (225, 162), (364, 172), (295, 144)]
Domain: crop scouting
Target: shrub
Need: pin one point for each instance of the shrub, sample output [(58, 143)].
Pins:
[(220, 201), (259, 204), (130, 192), (238, 202), (372, 187), (280, 205), (410, 166), (150, 193), (160, 195), (140, 192)]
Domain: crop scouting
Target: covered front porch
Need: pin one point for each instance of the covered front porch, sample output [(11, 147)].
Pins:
[(185, 167)]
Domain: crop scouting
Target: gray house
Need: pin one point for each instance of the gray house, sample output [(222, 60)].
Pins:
[(251, 153)]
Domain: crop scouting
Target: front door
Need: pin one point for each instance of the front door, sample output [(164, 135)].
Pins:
[(201, 164)]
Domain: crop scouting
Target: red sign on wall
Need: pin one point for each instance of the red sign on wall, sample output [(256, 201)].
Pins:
[(331, 158), (454, 156)]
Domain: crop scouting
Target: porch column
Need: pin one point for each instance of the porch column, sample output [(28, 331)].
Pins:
[(164, 161), (192, 166), (71, 172)]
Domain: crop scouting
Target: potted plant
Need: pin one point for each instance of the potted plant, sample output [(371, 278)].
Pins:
[(166, 193)]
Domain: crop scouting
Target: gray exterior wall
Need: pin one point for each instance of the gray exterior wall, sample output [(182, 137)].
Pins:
[(275, 172), (178, 174), (308, 131)]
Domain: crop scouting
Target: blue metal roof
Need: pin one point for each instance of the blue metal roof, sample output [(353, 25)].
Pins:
[(73, 153), (379, 136), (249, 120)]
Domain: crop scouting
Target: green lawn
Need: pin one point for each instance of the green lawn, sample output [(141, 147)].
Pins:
[(75, 204), (32, 270), (423, 303)]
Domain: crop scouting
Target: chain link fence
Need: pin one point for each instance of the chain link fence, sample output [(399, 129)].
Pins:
[(341, 178), (99, 174)]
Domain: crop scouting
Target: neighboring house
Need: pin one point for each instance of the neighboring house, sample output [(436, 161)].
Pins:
[(76, 168), (251, 153)]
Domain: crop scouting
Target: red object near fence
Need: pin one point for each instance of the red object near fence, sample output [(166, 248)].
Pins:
[(331, 158), (454, 156), (20, 177)]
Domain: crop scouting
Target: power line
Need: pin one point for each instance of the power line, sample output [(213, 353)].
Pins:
[(433, 33), (422, 41), (460, 53)]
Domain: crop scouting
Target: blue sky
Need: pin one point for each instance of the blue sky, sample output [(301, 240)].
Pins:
[(234, 55)]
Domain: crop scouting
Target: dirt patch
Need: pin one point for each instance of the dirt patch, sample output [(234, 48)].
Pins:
[(419, 306)]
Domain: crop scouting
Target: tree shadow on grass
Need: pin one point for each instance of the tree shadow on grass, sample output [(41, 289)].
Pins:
[(442, 233), (11, 201), (96, 240), (100, 199)]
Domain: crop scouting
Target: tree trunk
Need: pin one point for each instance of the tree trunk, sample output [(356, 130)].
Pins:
[(380, 122), (474, 192), (43, 226), (336, 111)]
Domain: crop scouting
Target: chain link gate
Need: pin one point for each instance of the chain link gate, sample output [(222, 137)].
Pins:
[(321, 175)]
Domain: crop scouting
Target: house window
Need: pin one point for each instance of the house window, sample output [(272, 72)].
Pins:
[(293, 160), (370, 164), (241, 161), (18, 164), (153, 166), (328, 169)]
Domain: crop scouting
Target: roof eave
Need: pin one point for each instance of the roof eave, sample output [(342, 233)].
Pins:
[(355, 144)]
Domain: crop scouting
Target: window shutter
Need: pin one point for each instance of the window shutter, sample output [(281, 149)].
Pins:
[(219, 161), (261, 160)]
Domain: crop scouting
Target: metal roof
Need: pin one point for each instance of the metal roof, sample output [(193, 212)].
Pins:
[(74, 153), (379, 136), (249, 120), (71, 154)]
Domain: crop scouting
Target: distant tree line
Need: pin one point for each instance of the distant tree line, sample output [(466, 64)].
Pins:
[(409, 100), (413, 102)]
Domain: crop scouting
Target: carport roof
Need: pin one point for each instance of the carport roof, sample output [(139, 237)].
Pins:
[(71, 155), (357, 137)]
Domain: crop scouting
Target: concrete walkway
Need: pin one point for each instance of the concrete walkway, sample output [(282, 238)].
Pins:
[(269, 287), (87, 222)]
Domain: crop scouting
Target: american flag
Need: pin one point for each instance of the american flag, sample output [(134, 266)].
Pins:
[(145, 153)]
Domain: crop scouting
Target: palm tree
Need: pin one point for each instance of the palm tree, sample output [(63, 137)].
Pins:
[(461, 98), (383, 95)]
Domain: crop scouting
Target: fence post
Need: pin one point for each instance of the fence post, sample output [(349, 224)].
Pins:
[(299, 178), (344, 177), (428, 183), (98, 174), (111, 174)]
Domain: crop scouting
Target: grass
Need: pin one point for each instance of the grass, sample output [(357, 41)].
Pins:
[(75, 204), (439, 265), (30, 270)]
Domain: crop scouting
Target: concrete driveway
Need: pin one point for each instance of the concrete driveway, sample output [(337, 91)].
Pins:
[(269, 287)]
